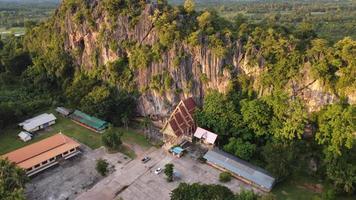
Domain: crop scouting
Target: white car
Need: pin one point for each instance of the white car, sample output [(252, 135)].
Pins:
[(158, 170)]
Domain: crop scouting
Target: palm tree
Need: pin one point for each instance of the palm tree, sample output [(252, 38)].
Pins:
[(147, 125), (125, 121)]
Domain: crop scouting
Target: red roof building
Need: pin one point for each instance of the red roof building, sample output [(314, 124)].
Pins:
[(180, 124), (41, 155)]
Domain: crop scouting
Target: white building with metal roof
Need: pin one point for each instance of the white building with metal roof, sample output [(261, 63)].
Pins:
[(39, 122), (205, 136), (25, 136), (240, 169)]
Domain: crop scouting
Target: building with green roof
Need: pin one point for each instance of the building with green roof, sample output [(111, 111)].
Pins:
[(88, 121)]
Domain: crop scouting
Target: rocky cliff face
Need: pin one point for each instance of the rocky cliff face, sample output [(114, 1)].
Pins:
[(198, 71)]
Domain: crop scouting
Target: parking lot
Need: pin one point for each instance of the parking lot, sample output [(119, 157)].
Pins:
[(138, 181)]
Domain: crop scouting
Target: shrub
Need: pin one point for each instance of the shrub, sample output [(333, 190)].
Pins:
[(329, 195), (168, 171), (102, 167), (111, 139), (225, 177), (246, 195)]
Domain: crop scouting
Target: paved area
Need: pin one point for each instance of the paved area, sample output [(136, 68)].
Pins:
[(129, 180), (123, 177), (70, 178), (136, 181), (152, 186)]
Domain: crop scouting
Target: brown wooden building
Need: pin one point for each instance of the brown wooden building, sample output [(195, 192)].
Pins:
[(181, 124)]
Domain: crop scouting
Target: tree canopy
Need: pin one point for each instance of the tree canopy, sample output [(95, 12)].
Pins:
[(336, 127), (198, 191), (12, 181)]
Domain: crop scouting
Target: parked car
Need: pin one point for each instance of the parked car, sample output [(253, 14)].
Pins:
[(146, 159), (158, 170)]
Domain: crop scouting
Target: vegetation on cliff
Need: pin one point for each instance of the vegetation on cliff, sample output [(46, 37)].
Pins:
[(258, 119)]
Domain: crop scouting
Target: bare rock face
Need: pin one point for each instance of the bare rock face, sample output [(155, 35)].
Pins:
[(186, 76), (199, 70)]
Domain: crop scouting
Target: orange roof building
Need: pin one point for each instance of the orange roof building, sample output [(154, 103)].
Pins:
[(41, 155), (181, 124)]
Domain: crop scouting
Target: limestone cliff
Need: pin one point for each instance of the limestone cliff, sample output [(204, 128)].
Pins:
[(198, 71)]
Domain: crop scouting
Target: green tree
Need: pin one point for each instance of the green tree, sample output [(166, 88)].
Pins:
[(346, 73), (102, 167), (147, 125), (189, 6), (125, 121), (204, 20), (140, 56), (341, 170), (98, 101), (336, 127), (279, 158), (197, 191), (268, 197), (244, 150), (12, 181), (324, 63), (120, 75), (78, 88), (224, 177), (168, 171), (257, 115), (294, 122), (246, 195), (111, 139), (289, 116), (329, 195), (219, 114)]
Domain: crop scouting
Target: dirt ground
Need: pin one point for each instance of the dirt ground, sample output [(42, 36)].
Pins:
[(72, 177)]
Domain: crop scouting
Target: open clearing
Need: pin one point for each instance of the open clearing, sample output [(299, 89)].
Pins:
[(138, 181)]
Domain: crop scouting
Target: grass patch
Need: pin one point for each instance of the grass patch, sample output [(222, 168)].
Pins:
[(132, 136), (292, 188), (296, 187), (71, 129), (9, 140), (127, 151)]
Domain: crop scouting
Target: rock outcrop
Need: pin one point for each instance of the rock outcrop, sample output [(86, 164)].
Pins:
[(198, 71)]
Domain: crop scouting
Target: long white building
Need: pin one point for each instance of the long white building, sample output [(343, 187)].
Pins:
[(39, 122)]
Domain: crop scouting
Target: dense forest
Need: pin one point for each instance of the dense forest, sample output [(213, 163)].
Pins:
[(273, 129)]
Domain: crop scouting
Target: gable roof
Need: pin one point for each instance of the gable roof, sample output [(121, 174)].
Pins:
[(91, 121), (257, 175), (63, 110), (43, 150), (181, 119), (208, 136), (37, 121), (25, 136)]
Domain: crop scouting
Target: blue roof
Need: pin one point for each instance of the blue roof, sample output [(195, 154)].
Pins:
[(241, 168), (177, 150)]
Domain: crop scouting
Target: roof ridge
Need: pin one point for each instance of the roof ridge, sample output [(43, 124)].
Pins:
[(39, 153)]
